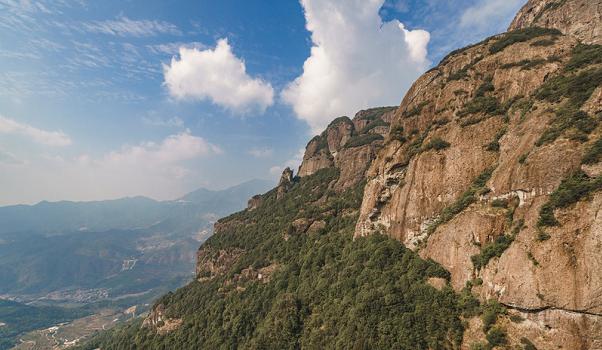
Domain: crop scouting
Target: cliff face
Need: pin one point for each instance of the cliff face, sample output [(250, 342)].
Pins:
[(480, 147), (579, 18), (491, 168)]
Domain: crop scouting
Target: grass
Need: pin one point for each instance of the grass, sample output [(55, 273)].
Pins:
[(521, 35)]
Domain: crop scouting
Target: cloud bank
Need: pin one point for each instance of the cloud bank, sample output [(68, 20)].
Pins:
[(123, 26), (219, 76), (48, 138), (154, 169), (356, 61)]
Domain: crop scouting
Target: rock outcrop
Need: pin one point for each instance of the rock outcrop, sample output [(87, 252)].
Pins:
[(579, 18), (348, 145)]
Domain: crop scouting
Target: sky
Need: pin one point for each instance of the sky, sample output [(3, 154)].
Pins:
[(108, 99)]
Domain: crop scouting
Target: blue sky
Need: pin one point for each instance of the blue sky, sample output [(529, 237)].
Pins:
[(104, 99)]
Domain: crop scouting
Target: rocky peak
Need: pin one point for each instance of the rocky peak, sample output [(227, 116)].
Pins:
[(579, 18), (285, 183), (349, 145)]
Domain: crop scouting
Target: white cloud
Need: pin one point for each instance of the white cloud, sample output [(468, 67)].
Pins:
[(216, 75), (173, 149), (49, 138), (173, 48), (356, 61), (487, 12), (159, 170), (292, 163), (174, 122), (123, 26), (261, 152)]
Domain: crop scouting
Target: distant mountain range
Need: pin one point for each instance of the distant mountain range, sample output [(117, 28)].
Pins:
[(52, 218), (105, 250)]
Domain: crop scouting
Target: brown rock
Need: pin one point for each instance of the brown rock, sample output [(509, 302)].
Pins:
[(579, 18)]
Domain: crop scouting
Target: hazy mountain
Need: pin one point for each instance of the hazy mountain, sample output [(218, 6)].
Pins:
[(91, 251)]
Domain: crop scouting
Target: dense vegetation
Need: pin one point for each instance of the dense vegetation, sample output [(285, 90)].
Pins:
[(20, 318), (361, 140), (573, 87), (520, 35), (330, 291), (571, 190)]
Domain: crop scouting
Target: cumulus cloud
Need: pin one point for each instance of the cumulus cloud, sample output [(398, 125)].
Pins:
[(156, 169), (489, 12), (123, 26), (219, 76), (49, 138), (356, 61)]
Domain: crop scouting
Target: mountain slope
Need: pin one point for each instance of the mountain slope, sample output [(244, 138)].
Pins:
[(489, 169)]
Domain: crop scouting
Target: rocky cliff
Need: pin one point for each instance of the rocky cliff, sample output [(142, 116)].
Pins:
[(581, 19), (492, 169)]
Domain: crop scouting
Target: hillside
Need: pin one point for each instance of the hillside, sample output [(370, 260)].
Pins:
[(467, 218)]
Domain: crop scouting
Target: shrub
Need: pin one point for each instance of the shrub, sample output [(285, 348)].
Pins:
[(571, 190), (482, 104), (583, 56), (544, 42), (594, 154), (532, 258), (521, 35), (494, 146), (436, 144), (528, 345), (396, 133), (499, 203), (490, 312), (487, 86), (523, 158), (373, 124), (525, 64), (416, 110), (362, 140), (465, 200), (492, 250), (496, 337)]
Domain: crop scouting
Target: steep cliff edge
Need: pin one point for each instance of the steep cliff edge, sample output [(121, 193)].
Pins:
[(492, 169)]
